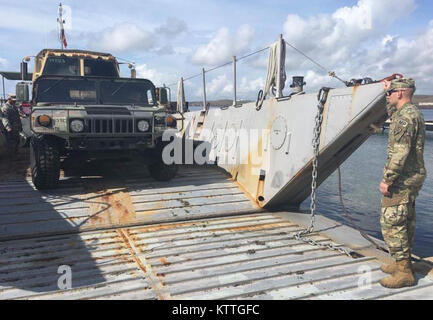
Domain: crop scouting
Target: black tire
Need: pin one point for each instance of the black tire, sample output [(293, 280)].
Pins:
[(44, 162), (157, 168), (162, 172)]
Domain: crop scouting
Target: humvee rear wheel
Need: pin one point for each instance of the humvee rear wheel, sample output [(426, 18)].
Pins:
[(45, 163)]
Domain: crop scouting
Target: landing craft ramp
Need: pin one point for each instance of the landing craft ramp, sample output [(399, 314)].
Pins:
[(115, 235)]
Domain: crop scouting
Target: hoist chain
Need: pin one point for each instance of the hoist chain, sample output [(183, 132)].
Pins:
[(321, 97)]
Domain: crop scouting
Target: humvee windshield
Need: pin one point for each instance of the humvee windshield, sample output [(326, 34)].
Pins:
[(70, 66), (61, 90), (65, 66), (127, 91), (99, 67), (94, 91)]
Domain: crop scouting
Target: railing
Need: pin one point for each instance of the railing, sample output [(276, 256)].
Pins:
[(279, 83), (233, 63)]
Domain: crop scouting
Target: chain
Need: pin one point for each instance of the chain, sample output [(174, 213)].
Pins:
[(301, 236)]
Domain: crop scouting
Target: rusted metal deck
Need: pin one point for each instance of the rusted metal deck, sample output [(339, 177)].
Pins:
[(239, 257), (125, 236), (116, 195)]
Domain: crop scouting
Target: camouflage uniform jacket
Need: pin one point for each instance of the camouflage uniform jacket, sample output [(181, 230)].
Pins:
[(11, 117), (404, 169)]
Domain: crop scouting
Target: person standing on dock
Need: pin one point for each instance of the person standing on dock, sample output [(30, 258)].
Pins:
[(403, 177), (12, 125)]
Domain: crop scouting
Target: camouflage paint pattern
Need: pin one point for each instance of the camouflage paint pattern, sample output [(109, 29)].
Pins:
[(405, 173), (398, 229), (11, 120)]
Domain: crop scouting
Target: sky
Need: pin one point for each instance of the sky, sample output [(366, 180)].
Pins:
[(170, 39)]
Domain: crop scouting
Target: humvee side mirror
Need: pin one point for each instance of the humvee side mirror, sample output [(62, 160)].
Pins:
[(131, 66), (22, 91), (163, 95), (23, 69)]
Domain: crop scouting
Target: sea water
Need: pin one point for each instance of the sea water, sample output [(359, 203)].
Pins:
[(361, 174)]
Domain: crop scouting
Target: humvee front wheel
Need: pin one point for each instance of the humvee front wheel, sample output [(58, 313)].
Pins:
[(44, 163), (161, 171)]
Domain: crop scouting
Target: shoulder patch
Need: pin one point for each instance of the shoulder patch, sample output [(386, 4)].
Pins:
[(402, 123)]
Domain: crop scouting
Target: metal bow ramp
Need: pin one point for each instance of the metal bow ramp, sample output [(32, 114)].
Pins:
[(239, 257), (116, 236)]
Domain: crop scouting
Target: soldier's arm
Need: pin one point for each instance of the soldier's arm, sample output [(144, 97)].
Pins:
[(403, 137), (6, 122)]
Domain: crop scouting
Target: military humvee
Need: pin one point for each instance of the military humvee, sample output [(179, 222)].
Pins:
[(82, 109)]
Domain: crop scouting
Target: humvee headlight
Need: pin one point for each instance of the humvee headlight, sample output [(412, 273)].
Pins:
[(77, 125), (44, 120), (143, 125)]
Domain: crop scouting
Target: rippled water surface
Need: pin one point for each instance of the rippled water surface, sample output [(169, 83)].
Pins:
[(361, 174)]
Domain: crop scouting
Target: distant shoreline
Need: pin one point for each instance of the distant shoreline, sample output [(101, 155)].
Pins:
[(417, 99)]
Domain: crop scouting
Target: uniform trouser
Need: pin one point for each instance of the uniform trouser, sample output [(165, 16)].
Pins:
[(398, 229), (13, 140)]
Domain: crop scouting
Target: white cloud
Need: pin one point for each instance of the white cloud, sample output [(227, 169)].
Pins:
[(250, 87), (223, 46), (3, 62), (221, 87), (355, 42), (172, 27), (412, 58), (164, 50), (157, 77), (122, 37), (338, 36), (182, 50), (218, 87)]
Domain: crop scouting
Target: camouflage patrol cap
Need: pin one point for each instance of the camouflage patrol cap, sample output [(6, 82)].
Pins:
[(402, 83), (12, 96)]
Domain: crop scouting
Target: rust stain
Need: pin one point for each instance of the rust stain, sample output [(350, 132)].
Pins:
[(124, 235), (247, 174), (352, 99), (247, 194), (166, 227), (259, 227), (108, 206), (164, 261), (260, 190)]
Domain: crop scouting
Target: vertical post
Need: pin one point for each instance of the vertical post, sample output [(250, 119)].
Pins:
[(61, 30), (182, 101), (4, 93), (204, 89), (234, 80), (279, 60)]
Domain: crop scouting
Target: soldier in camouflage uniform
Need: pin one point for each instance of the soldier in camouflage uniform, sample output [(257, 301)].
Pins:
[(12, 125), (403, 177)]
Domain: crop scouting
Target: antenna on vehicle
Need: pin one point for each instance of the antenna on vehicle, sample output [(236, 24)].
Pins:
[(62, 36)]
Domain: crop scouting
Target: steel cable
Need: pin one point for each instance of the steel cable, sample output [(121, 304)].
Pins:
[(221, 65), (354, 225)]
